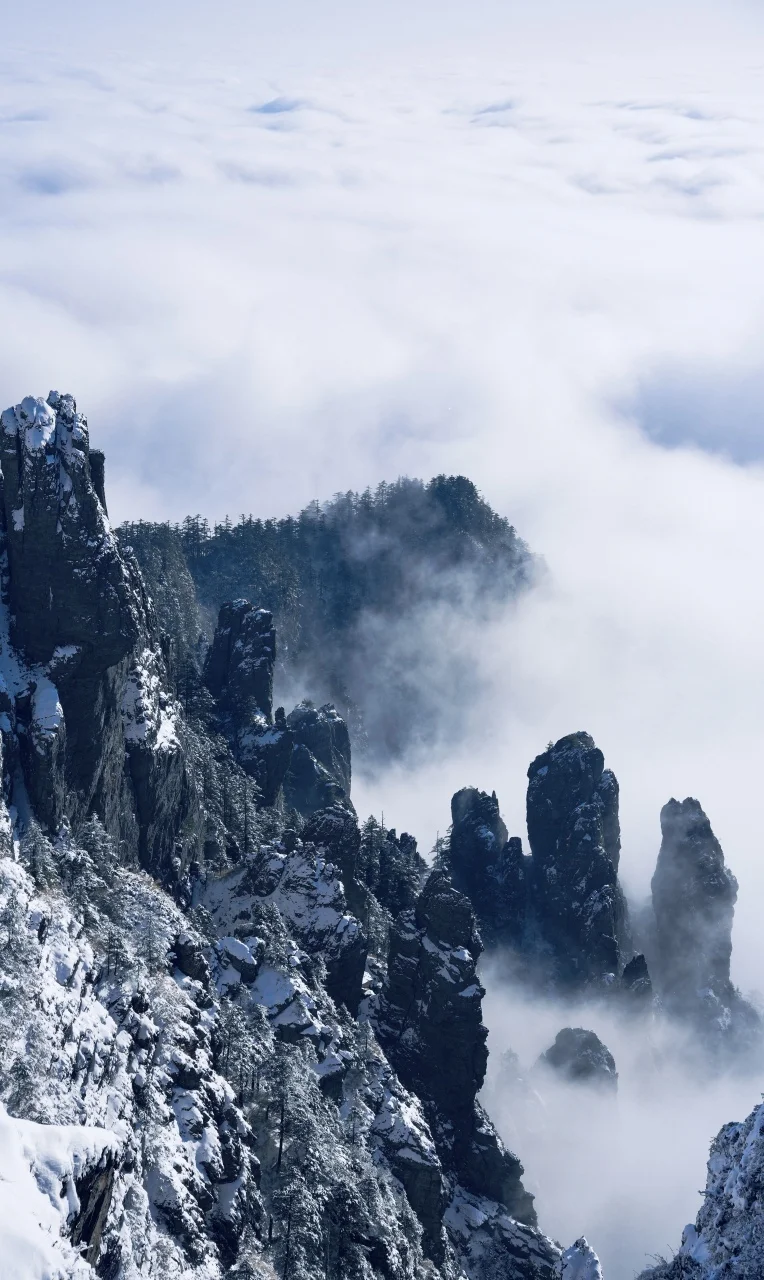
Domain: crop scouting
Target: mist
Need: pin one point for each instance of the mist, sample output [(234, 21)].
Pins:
[(626, 1171)]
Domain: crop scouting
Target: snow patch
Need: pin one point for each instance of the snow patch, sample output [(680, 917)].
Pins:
[(38, 1167)]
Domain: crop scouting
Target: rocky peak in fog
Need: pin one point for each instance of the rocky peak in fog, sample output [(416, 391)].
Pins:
[(490, 869), (574, 835), (693, 895), (307, 753), (560, 911), (580, 1057)]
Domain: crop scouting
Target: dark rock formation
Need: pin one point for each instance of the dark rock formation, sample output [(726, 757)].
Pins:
[(488, 867), (580, 1057), (635, 979), (319, 772), (559, 915), (430, 1025), (94, 1191), (238, 670), (572, 809), (95, 726), (694, 895), (323, 731), (68, 583)]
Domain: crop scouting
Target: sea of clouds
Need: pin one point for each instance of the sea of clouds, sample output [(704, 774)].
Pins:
[(280, 251)]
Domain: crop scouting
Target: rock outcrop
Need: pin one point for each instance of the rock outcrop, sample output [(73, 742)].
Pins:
[(579, 1057), (238, 669), (636, 980), (694, 894), (558, 915), (319, 771), (238, 672), (490, 869), (430, 1023), (87, 699), (574, 834)]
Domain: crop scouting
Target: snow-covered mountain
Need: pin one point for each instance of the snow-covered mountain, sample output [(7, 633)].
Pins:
[(240, 1036)]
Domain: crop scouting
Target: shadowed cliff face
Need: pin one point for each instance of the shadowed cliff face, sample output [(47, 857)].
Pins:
[(68, 582)]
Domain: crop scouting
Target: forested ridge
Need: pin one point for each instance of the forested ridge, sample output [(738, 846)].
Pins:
[(336, 577)]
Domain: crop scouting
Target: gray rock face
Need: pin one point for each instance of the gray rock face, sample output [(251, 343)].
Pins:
[(319, 772), (430, 1023), (635, 979), (580, 1057), (694, 896), (572, 810), (560, 913), (323, 731), (68, 583)]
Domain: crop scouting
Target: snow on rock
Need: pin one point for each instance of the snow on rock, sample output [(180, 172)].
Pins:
[(727, 1238), (308, 893), (580, 1262), (40, 1166), (148, 714), (494, 1244)]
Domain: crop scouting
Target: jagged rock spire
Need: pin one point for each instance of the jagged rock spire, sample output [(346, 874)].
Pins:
[(694, 895), (238, 670), (490, 869), (430, 1023), (320, 769), (574, 834)]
